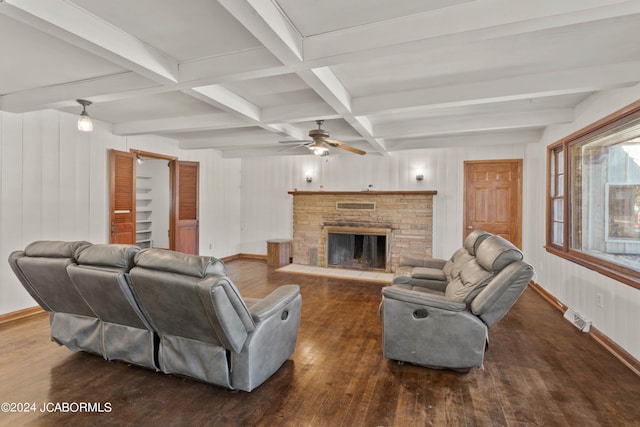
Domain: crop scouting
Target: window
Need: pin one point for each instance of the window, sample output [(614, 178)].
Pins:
[(593, 196)]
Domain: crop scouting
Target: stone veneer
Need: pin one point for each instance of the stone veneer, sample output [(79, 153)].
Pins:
[(408, 214)]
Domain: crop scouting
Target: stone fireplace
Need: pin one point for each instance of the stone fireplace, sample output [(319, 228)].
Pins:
[(362, 230)]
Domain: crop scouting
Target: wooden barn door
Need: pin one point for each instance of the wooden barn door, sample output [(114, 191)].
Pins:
[(493, 198), (184, 215), (122, 195)]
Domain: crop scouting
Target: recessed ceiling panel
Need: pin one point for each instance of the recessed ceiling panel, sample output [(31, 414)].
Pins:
[(311, 17), (582, 45), (184, 30), (30, 59), (273, 91)]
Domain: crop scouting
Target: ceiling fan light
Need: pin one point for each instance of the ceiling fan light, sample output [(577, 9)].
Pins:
[(319, 150)]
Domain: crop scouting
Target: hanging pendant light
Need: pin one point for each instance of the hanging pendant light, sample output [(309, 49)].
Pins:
[(84, 122)]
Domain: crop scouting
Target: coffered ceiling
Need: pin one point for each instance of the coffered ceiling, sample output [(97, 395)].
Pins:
[(240, 76)]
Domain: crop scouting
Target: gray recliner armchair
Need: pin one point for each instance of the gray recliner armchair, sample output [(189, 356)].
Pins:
[(438, 327), (436, 273)]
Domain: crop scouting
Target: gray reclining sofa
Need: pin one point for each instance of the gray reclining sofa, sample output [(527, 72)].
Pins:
[(160, 309), (437, 313)]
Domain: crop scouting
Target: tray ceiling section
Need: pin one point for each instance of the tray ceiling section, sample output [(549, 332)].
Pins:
[(240, 76)]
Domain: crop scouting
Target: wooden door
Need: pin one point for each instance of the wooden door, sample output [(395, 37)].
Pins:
[(122, 195), (184, 213), (493, 198)]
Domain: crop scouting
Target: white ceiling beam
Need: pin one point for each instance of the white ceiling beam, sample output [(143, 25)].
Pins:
[(286, 130), (525, 136), (223, 98), (565, 82), (64, 95), (68, 22), (479, 123), (324, 82), (271, 29), (279, 24), (460, 24), (200, 122)]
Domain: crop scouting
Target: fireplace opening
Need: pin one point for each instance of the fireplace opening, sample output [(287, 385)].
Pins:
[(360, 251)]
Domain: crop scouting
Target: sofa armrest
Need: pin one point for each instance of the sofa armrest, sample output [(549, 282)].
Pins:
[(274, 302), (421, 262), (422, 298)]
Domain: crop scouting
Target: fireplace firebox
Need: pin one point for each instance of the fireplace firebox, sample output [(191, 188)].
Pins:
[(358, 247)]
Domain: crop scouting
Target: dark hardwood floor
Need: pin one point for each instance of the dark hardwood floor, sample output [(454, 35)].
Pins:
[(539, 370)]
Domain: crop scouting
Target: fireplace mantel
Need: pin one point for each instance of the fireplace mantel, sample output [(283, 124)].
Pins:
[(363, 193)]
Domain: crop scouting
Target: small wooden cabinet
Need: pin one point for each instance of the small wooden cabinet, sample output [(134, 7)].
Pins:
[(278, 252)]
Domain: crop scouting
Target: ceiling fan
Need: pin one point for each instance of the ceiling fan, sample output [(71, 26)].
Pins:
[(320, 142)]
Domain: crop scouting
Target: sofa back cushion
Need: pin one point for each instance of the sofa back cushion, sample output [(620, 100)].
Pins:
[(107, 255), (472, 279), (453, 266), (99, 277), (473, 240), (495, 253), (180, 263), (42, 270), (189, 296)]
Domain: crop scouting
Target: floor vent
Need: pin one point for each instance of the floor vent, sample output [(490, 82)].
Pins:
[(577, 320)]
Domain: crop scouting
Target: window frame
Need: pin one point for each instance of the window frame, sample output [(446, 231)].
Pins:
[(620, 273)]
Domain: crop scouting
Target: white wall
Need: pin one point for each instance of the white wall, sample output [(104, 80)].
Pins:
[(53, 186), (267, 208), (574, 285)]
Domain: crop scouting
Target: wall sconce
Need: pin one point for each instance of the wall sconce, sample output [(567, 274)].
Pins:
[(139, 159), (309, 178), (419, 175), (84, 122)]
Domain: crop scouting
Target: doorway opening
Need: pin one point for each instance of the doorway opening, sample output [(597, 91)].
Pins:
[(153, 202)]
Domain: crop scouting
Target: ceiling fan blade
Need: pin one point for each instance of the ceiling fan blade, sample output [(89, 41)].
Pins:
[(342, 145), (293, 147), (296, 141)]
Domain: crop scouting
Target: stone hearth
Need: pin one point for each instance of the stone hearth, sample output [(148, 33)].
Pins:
[(405, 216)]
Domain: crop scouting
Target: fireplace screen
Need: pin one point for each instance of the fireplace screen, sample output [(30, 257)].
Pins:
[(363, 251)]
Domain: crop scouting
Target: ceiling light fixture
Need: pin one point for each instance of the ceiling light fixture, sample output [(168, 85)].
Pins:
[(84, 122), (319, 148)]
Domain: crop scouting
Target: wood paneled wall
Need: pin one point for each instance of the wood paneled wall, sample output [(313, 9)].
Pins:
[(53, 186)]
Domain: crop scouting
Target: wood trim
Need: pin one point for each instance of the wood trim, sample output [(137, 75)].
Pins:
[(361, 193), (243, 256), (617, 272), (21, 314), (152, 155), (613, 348), (618, 352), (627, 113)]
